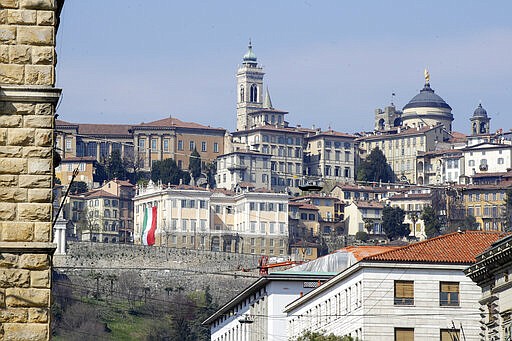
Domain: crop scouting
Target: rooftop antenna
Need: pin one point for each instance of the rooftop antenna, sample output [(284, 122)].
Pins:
[(393, 99)]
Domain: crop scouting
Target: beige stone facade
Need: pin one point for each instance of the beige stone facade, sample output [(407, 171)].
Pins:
[(27, 106)]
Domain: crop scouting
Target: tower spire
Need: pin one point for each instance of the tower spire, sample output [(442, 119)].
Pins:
[(267, 103)]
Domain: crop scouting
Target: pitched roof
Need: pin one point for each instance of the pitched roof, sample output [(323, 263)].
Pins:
[(403, 132), (364, 251), (453, 248), (169, 122), (331, 133), (104, 129), (368, 204)]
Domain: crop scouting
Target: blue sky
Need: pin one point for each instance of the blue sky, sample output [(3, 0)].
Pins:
[(329, 63)]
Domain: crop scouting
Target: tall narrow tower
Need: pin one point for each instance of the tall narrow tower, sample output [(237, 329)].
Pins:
[(249, 79), (480, 122)]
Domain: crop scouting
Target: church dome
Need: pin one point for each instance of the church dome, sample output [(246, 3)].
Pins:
[(480, 111), (427, 99), (250, 56)]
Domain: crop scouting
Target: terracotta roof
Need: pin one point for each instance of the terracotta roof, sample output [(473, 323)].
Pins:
[(368, 204), (171, 122), (409, 196), (311, 196), (303, 205), (458, 152), (458, 137), (361, 252), (124, 183), (361, 188), (98, 194), (332, 133), (246, 184), (487, 175), (64, 123), (454, 248)]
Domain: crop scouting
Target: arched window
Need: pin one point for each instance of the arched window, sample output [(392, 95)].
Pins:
[(474, 128), (254, 93), (242, 93), (381, 124), (483, 128)]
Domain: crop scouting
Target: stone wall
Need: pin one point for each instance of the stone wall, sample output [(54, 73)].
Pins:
[(27, 107), (159, 267)]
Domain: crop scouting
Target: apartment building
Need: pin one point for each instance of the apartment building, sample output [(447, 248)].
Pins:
[(243, 167), (248, 221)]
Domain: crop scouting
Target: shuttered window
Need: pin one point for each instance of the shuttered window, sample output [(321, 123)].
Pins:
[(404, 334), (450, 335), (404, 292), (449, 293)]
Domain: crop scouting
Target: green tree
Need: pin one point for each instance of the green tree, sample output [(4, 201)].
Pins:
[(432, 222), (211, 170), (321, 336), (116, 167), (393, 223), (78, 187), (375, 168), (167, 171), (470, 223), (362, 236), (194, 164)]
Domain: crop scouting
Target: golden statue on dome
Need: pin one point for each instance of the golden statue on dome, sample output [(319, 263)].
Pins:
[(427, 77)]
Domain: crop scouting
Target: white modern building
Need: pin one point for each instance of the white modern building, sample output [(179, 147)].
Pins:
[(417, 292), (243, 166), (487, 157)]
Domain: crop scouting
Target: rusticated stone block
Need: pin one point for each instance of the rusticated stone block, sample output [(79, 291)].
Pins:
[(4, 54), (36, 121), (39, 166), (42, 232), (23, 108), (8, 181), (43, 137), (42, 55), (45, 18), (34, 261), (21, 17), (9, 3), (35, 35), (13, 231), (14, 316), (26, 331), (2, 298), (39, 195), (39, 74), (9, 121), (12, 166), (44, 109), (10, 151), (3, 136), (3, 16), (7, 213), (8, 260), (14, 278), (37, 315), (13, 194), (27, 297), (20, 54), (7, 34), (20, 136), (34, 181), (34, 212), (37, 4), (36, 152), (12, 74), (40, 279)]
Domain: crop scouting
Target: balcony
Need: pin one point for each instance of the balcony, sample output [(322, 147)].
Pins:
[(233, 168)]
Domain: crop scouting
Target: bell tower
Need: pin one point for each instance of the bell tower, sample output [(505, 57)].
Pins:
[(249, 79), (480, 122)]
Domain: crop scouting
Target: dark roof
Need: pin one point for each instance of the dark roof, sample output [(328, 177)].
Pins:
[(427, 99), (480, 111)]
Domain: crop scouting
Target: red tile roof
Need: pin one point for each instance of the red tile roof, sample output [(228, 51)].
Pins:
[(174, 122), (104, 129), (368, 204), (332, 133), (98, 194), (453, 248), (403, 132), (79, 158), (361, 252)]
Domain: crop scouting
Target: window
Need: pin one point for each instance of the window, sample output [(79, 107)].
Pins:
[(500, 161), (180, 144), (153, 144), (215, 147), (450, 334), (191, 145), (166, 145), (404, 334), (142, 143), (203, 146), (68, 144), (449, 294), (404, 292)]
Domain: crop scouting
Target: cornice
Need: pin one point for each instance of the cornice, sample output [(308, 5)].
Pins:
[(27, 93)]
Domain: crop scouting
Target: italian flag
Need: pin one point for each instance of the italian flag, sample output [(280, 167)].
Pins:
[(149, 226)]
